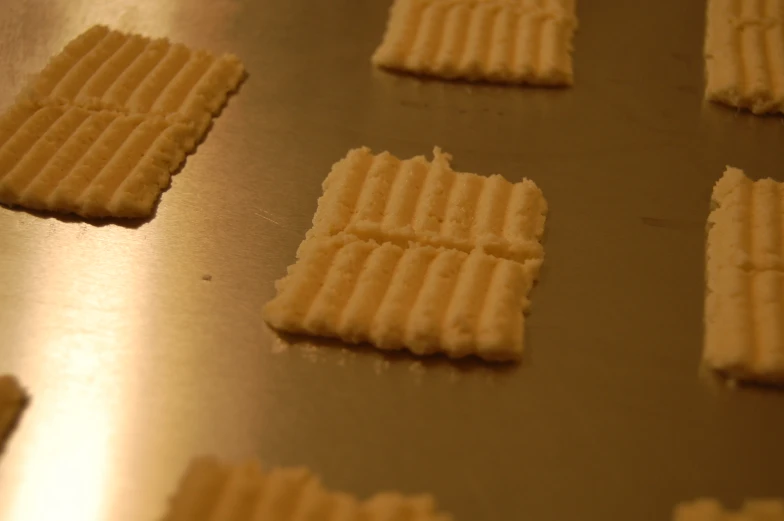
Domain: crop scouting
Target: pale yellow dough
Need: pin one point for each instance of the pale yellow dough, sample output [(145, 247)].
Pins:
[(386, 199), (424, 299), (132, 73), (744, 54), (744, 307), (409, 254), (65, 158), (101, 129), (504, 41), (215, 491)]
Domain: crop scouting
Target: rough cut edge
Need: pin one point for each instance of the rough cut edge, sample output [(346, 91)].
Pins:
[(211, 490), (280, 316), (717, 90), (720, 256), (710, 360)]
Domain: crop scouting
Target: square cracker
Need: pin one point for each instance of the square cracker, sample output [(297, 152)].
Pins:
[(132, 73), (386, 199), (744, 54), (504, 41), (424, 299), (94, 163), (12, 401), (212, 490), (711, 510), (744, 303)]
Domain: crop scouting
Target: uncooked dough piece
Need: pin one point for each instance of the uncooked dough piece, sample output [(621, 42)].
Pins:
[(101, 129), (215, 491), (711, 510), (420, 298), (503, 41), (103, 163), (744, 54), (744, 307), (106, 68), (386, 199), (12, 401)]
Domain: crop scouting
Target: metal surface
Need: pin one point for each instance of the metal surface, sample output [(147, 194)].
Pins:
[(135, 363)]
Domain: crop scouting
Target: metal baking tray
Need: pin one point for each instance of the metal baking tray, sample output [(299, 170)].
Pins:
[(135, 363)]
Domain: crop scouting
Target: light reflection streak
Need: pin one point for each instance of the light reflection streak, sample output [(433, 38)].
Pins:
[(66, 470), (81, 377), (84, 296), (173, 19)]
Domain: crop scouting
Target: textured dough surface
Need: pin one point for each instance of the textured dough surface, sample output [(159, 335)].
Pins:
[(102, 127), (711, 510), (69, 159), (504, 41), (744, 308), (424, 299), (744, 54), (132, 73), (214, 491), (12, 401), (386, 199)]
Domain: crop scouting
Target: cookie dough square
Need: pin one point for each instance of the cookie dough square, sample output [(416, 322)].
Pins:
[(212, 490), (382, 198), (424, 299), (744, 54), (744, 306), (94, 163), (503, 41)]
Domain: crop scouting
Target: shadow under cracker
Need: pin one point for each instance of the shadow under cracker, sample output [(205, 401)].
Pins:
[(428, 79), (466, 365), (17, 419), (98, 222)]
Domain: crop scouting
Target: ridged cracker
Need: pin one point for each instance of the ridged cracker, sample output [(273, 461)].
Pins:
[(65, 158), (12, 401), (504, 41), (744, 307), (129, 72), (744, 54), (386, 199), (101, 129), (420, 298), (711, 510), (214, 491)]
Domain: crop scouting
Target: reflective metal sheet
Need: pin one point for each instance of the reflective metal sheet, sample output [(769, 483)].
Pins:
[(135, 363)]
